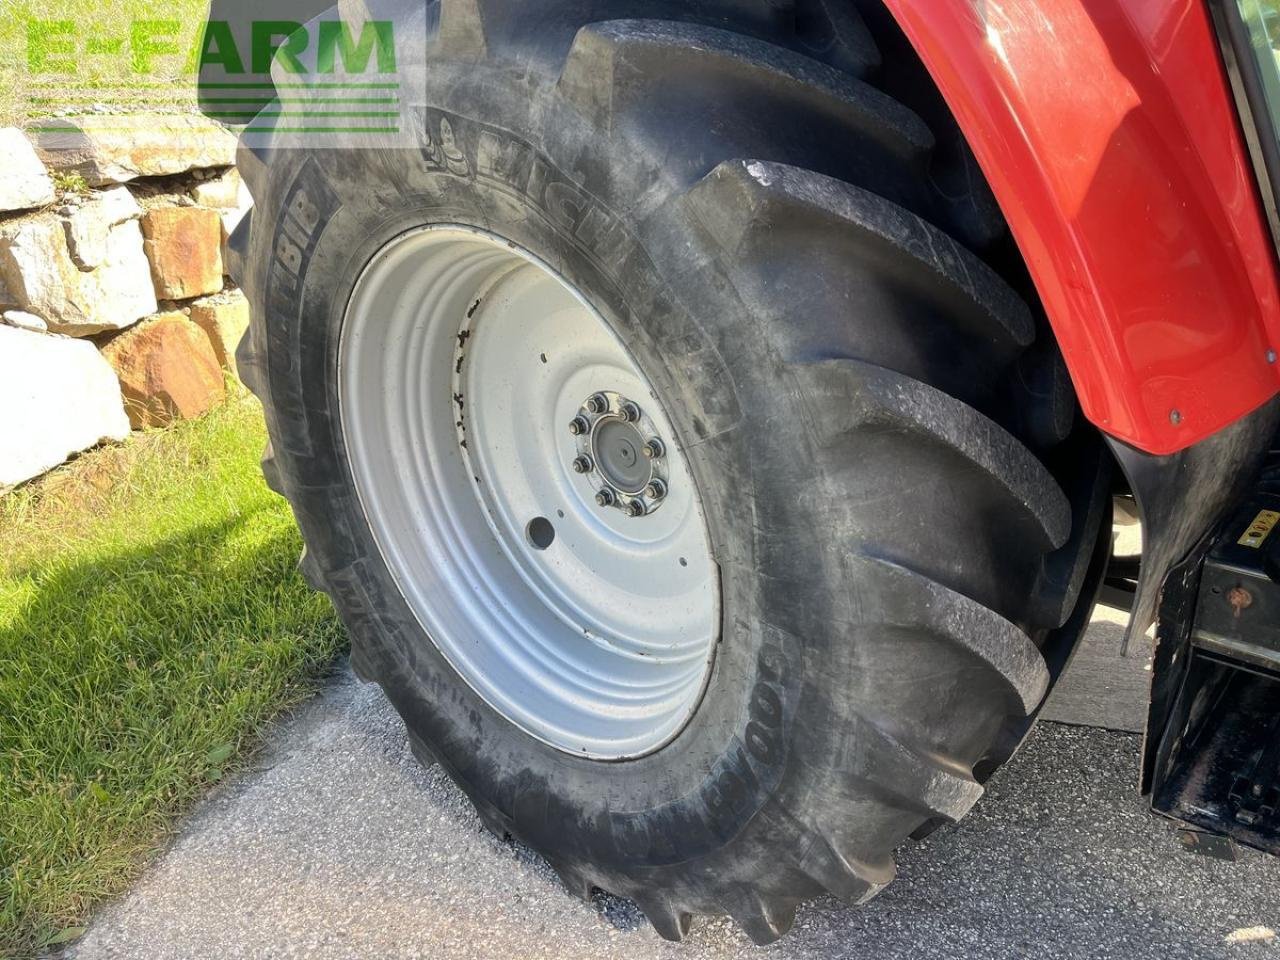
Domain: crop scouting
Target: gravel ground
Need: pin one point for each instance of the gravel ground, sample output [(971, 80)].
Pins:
[(338, 845)]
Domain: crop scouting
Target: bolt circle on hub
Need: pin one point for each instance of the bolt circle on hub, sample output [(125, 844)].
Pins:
[(619, 454)]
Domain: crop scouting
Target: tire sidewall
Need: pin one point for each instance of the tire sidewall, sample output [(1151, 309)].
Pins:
[(333, 212)]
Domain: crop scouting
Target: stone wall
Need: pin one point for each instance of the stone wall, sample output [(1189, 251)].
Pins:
[(117, 313)]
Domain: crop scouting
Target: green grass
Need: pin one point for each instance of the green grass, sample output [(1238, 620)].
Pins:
[(151, 622), (84, 72)]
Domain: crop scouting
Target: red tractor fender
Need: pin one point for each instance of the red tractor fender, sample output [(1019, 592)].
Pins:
[(1109, 135)]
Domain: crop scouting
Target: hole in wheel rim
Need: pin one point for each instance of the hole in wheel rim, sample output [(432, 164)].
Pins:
[(540, 532)]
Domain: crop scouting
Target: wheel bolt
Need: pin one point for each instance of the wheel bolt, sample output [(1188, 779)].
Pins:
[(656, 489), (605, 497), (634, 508), (630, 412), (581, 464), (579, 426), (597, 403), (653, 449)]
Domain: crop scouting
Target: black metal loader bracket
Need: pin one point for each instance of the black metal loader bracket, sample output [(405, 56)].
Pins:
[(1211, 757)]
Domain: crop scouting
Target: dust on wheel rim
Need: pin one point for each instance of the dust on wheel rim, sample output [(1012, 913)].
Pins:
[(578, 598)]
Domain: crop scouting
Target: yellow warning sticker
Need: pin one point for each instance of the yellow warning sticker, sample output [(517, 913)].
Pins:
[(1258, 530)]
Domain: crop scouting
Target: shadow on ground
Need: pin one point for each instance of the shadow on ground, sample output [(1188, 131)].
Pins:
[(130, 677), (341, 846)]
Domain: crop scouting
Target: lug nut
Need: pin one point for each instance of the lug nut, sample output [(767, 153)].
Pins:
[(597, 403), (578, 426), (630, 412), (605, 497), (581, 464), (634, 508), (653, 449), (656, 489)]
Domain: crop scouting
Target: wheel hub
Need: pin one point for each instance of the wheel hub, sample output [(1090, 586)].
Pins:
[(619, 450)]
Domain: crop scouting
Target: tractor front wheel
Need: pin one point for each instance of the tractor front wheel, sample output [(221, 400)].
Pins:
[(690, 486)]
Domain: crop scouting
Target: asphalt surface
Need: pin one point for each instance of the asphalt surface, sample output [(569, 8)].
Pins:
[(338, 845)]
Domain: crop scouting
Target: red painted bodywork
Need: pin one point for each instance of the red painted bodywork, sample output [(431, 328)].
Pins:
[(1109, 136)]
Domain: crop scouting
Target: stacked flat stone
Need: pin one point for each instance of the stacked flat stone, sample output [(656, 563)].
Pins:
[(115, 309)]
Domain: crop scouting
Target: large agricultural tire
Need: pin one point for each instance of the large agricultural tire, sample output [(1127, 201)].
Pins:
[(901, 509)]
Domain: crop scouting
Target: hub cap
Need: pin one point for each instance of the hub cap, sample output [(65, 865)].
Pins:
[(524, 486)]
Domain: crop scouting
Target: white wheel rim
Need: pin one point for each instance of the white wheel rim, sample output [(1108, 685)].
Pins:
[(462, 362)]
